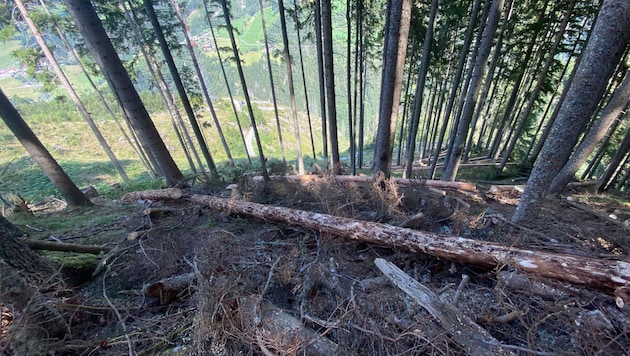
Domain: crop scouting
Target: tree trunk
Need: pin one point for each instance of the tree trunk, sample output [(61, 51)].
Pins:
[(608, 41), (603, 182), (597, 157), (465, 186), (227, 82), (406, 105), (202, 82), (287, 61), (241, 74), (399, 17), (454, 159), (308, 109), (483, 97), (508, 112), (606, 275), (329, 71), (118, 79), (542, 77), (271, 82), (533, 155), (469, 72), (162, 88), (322, 78), (73, 95), (414, 121), (351, 133), (166, 52), (40, 154), (133, 143), (612, 112), (362, 75), (456, 80)]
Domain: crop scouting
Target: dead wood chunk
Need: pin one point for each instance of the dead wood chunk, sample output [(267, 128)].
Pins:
[(519, 189), (278, 330), (169, 289), (157, 211), (153, 194), (90, 192), (516, 281)]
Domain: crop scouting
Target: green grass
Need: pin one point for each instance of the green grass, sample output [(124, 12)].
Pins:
[(69, 140), (15, 88), (6, 59)]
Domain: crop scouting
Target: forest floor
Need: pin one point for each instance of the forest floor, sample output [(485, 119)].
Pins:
[(328, 286)]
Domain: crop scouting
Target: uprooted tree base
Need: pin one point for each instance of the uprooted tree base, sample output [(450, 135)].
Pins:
[(199, 281)]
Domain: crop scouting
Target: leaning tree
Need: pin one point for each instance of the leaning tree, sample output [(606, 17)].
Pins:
[(40, 154), (605, 48)]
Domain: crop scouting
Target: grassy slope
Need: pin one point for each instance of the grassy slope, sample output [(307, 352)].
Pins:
[(71, 142)]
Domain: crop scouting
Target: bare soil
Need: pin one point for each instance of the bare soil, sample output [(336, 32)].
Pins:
[(332, 286)]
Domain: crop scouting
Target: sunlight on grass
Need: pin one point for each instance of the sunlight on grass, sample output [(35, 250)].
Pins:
[(71, 142)]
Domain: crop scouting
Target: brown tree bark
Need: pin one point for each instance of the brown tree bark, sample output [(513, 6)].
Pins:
[(457, 149), (202, 82), (614, 111), (287, 62), (414, 120), (395, 52), (456, 81), (61, 76), (329, 73), (606, 275), (241, 75), (179, 85), (118, 79), (272, 85)]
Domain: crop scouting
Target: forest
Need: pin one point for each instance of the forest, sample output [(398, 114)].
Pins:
[(314, 177)]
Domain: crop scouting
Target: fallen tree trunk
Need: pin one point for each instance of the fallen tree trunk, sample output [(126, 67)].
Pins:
[(65, 247), (609, 276), (154, 194), (368, 179)]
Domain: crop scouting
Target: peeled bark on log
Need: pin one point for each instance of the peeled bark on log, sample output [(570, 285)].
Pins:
[(474, 339), (368, 179), (605, 275), (507, 188), (156, 194)]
